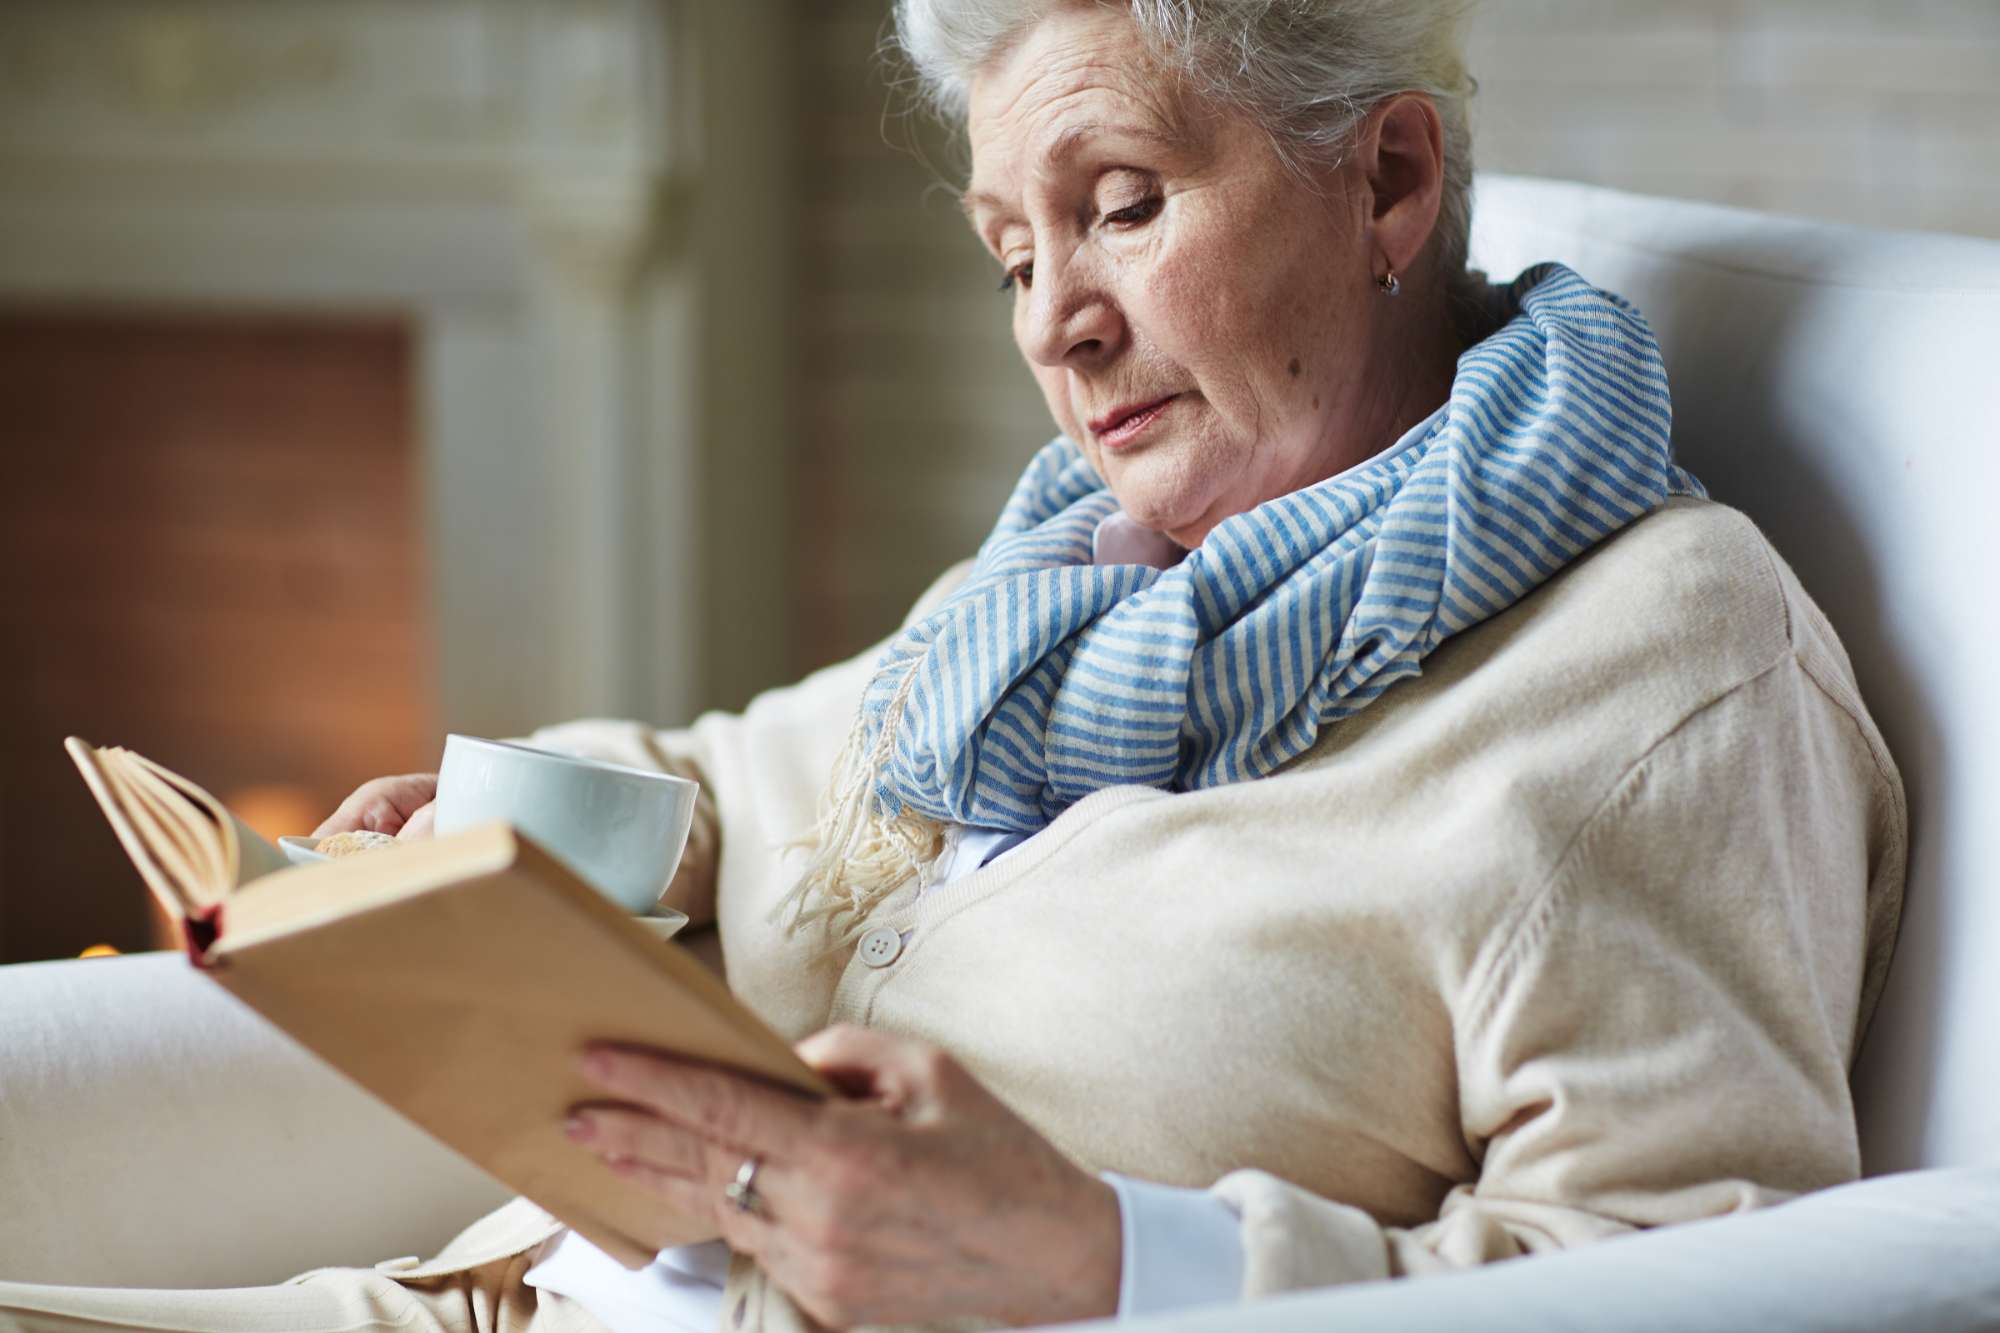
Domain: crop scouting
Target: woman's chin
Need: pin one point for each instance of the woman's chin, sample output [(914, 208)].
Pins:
[(1173, 510), (1186, 526)]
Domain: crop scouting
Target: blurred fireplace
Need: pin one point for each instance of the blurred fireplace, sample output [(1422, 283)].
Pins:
[(346, 531), (214, 536)]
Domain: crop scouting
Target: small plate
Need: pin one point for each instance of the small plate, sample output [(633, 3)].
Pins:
[(299, 851), (664, 922)]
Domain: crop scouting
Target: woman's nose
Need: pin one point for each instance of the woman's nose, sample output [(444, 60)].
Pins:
[(1070, 321)]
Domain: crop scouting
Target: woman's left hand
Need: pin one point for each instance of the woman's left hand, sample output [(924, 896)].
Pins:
[(917, 1196)]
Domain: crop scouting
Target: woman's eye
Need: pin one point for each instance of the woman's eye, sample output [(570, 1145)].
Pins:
[(1133, 214), (1024, 274)]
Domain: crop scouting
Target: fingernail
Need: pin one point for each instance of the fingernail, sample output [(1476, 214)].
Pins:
[(597, 1064), (579, 1129)]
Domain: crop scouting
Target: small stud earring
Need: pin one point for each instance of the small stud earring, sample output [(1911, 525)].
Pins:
[(1389, 283)]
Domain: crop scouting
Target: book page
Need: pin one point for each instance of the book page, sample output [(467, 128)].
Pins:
[(176, 832), (244, 853), (191, 851), (173, 898)]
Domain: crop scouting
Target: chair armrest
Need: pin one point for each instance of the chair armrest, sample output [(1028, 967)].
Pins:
[(156, 1133), (1911, 1251)]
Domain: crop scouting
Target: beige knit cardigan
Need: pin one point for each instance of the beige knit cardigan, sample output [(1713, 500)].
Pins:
[(1576, 933)]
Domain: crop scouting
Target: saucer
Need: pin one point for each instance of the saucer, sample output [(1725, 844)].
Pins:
[(299, 851), (664, 922)]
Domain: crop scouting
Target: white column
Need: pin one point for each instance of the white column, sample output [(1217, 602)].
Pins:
[(591, 238), (491, 590), (598, 162)]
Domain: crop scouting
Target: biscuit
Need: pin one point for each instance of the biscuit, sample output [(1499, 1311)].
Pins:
[(352, 843)]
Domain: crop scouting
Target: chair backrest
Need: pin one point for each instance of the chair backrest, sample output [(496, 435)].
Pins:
[(1842, 386)]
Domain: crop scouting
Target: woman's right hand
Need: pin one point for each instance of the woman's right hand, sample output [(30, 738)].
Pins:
[(400, 806)]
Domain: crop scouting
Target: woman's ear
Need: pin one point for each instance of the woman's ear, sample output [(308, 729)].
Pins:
[(1400, 157)]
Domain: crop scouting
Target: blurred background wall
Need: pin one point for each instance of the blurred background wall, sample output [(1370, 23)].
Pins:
[(378, 369)]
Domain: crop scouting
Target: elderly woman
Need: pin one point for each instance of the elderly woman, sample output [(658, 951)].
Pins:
[(1363, 812)]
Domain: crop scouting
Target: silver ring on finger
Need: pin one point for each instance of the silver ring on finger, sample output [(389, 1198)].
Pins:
[(742, 1191)]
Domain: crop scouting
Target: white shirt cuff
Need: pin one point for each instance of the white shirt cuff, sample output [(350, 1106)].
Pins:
[(1181, 1248)]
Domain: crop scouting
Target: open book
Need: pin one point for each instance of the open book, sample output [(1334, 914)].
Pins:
[(456, 979)]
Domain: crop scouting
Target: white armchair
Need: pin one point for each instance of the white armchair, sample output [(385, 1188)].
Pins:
[(1842, 386), (1839, 385)]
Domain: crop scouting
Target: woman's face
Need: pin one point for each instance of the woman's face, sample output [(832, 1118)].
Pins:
[(1203, 323)]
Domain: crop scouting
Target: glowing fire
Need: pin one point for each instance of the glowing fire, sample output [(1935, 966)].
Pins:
[(276, 809)]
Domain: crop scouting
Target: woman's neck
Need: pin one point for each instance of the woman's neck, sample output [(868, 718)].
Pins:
[(1417, 366)]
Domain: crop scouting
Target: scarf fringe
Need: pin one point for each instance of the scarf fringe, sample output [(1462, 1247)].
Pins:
[(860, 855)]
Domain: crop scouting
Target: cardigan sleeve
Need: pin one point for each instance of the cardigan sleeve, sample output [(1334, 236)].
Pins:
[(684, 751), (1662, 1030)]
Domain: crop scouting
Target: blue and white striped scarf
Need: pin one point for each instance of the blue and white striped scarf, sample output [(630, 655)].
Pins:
[(1045, 677)]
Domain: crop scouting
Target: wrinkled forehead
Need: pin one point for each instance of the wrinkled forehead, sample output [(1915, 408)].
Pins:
[(1075, 73)]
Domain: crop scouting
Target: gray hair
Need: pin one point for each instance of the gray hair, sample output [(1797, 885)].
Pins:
[(1308, 70)]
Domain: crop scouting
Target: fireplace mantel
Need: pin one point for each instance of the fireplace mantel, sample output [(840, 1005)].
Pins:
[(508, 175)]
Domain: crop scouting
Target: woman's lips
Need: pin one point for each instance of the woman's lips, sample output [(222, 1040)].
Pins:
[(1120, 429)]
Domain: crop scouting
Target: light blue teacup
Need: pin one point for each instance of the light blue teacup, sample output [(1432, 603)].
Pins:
[(622, 829)]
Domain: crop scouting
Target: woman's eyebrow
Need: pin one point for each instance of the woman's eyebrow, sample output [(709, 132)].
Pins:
[(1065, 146), (973, 200)]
